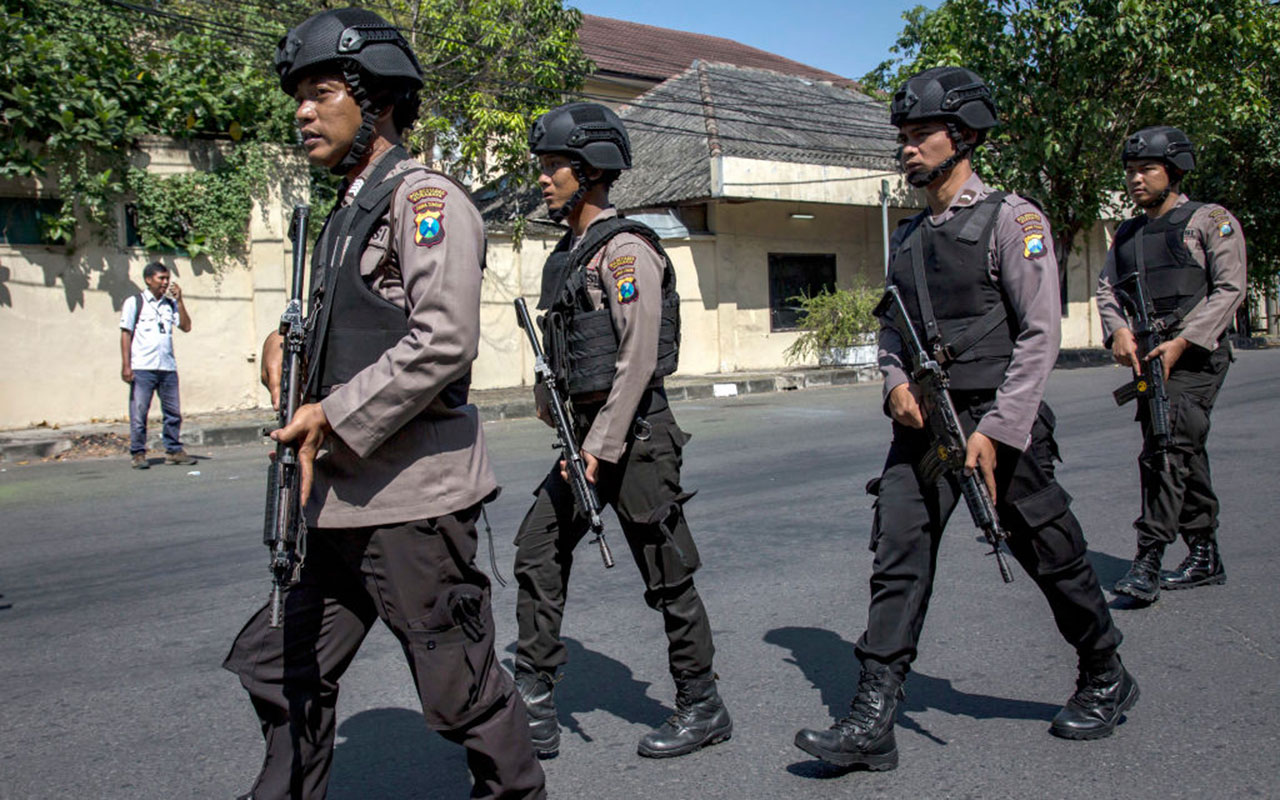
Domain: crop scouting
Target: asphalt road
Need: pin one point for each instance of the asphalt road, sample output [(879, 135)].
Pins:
[(128, 587)]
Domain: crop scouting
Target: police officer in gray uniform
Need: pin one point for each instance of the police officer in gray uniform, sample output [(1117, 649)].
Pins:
[(611, 328), (392, 456), (979, 278), (1193, 261)]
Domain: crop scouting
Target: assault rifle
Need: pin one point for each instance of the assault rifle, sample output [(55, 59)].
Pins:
[(1148, 387), (947, 451), (284, 532), (583, 492)]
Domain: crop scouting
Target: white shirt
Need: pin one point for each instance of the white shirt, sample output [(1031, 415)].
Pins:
[(153, 340)]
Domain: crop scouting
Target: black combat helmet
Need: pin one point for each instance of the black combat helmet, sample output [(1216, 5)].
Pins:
[(952, 94), (1161, 143), (342, 39), (586, 132), (373, 58)]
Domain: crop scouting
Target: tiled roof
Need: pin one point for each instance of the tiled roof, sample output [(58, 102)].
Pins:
[(717, 109), (710, 109), (644, 51)]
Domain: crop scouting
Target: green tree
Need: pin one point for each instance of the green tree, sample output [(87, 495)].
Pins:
[(1072, 78), (492, 67), (81, 82)]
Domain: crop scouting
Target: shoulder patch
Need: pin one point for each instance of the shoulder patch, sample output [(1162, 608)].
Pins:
[(1029, 217), (428, 225), (626, 287), (620, 262), (1225, 229), (427, 193), (1033, 245)]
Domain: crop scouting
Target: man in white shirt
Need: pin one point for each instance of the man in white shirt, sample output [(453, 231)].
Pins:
[(147, 321)]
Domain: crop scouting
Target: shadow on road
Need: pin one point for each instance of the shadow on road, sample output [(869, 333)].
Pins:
[(390, 753), (1109, 568), (592, 681), (829, 663)]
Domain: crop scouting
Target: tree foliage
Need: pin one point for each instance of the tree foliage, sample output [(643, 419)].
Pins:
[(1072, 78), (81, 82), (492, 66)]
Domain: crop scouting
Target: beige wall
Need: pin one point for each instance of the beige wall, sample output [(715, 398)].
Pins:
[(723, 279), (62, 310)]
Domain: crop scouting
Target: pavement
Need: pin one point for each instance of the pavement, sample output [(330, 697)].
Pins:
[(127, 588)]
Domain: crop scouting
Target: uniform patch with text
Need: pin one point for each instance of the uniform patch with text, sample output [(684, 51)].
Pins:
[(1029, 217), (627, 291), (427, 193), (1033, 245), (620, 262)]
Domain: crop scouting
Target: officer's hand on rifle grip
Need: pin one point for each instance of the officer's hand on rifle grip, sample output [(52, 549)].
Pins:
[(590, 465), (1124, 349), (980, 454), (273, 366), (906, 405), (308, 430), (1170, 351)]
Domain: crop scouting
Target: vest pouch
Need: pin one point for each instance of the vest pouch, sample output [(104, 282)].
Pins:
[(591, 349)]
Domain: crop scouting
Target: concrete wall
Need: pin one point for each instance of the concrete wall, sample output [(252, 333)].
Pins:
[(60, 307)]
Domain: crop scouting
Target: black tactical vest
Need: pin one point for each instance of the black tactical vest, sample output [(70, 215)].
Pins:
[(958, 311), (1175, 282), (580, 340), (349, 326)]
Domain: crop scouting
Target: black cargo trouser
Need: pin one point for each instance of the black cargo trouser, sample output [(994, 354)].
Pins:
[(1044, 536), (1181, 498), (644, 488), (420, 579)]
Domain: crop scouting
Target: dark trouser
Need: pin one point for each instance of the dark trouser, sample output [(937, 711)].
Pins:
[(1181, 499), (644, 488), (420, 579), (1045, 538), (146, 382)]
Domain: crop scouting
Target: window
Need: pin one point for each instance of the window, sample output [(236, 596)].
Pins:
[(22, 219), (794, 274)]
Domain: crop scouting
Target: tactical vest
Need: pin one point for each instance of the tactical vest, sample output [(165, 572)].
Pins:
[(580, 340), (350, 326), (959, 312), (1155, 248)]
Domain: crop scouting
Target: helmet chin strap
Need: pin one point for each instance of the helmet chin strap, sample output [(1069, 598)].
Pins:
[(963, 149), (364, 137), (584, 183)]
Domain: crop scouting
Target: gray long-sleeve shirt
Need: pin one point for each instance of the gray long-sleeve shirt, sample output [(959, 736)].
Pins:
[(397, 453), (1027, 275), (1214, 238), (625, 276)]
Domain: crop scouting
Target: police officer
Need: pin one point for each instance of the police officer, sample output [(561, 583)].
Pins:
[(611, 329), (980, 280), (392, 456), (1193, 261)]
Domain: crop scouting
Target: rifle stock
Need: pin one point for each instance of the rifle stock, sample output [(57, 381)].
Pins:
[(284, 532), (583, 492), (946, 453)]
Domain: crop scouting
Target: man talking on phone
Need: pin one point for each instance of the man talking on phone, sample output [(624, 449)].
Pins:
[(147, 321)]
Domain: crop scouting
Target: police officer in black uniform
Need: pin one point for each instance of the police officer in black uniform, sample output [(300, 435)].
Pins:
[(1192, 257), (977, 272), (611, 327), (392, 455)]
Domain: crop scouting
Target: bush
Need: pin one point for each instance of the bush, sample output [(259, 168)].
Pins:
[(834, 320)]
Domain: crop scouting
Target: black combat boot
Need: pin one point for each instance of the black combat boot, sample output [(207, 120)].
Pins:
[(536, 690), (1142, 581), (1104, 691), (700, 720), (1201, 567), (865, 737)]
